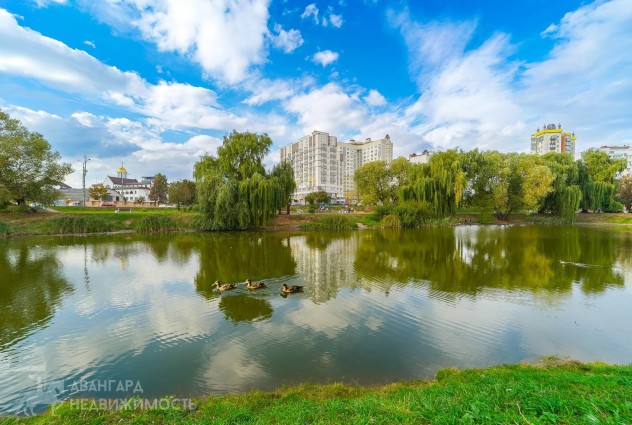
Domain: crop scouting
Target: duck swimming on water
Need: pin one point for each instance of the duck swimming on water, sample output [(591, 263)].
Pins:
[(224, 287), (290, 289), (257, 285)]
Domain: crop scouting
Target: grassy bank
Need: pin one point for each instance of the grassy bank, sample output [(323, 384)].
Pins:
[(75, 220), (559, 392)]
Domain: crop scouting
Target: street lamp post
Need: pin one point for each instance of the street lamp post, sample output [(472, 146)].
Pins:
[(85, 171)]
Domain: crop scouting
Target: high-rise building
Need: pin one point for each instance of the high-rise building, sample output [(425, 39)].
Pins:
[(320, 162), (354, 154), (552, 139), (619, 152)]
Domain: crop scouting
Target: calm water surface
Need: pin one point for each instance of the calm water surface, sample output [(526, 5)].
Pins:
[(378, 306)]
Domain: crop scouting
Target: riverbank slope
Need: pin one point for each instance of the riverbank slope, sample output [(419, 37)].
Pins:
[(77, 220), (555, 391)]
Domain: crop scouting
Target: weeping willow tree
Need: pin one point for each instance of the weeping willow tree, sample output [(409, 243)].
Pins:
[(440, 183), (597, 172), (566, 194), (234, 190)]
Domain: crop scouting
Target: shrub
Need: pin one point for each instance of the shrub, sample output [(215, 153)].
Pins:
[(5, 230), (413, 214), (391, 221), (485, 217), (79, 225), (335, 223), (156, 224)]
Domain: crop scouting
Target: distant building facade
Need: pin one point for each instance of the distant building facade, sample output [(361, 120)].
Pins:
[(320, 162), (128, 189), (421, 158), (552, 138), (620, 152)]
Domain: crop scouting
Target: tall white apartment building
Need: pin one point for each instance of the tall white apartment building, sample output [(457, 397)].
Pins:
[(552, 139), (619, 152), (320, 162), (315, 163)]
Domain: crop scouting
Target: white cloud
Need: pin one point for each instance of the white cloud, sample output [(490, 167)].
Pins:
[(90, 43), (335, 20), (374, 98), (482, 98), (226, 37), (310, 10), (329, 109), (325, 57), (288, 41), (46, 3)]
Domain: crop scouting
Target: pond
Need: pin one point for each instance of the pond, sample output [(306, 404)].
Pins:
[(378, 306)]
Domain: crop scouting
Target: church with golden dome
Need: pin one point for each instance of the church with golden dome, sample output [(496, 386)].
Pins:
[(126, 189)]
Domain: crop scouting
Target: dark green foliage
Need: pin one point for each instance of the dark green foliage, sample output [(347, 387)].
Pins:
[(391, 221), (29, 168), (71, 225), (182, 192), (159, 192), (156, 224), (5, 229), (320, 197), (411, 214), (334, 223)]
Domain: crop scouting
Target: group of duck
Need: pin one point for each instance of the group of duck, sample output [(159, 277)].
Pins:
[(222, 287)]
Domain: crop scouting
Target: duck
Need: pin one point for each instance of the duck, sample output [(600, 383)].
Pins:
[(257, 285), (290, 289), (224, 287)]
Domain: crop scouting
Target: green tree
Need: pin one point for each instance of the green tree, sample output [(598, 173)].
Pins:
[(624, 194), (234, 191), (597, 172), (374, 183), (440, 183), (5, 197), (566, 195), (29, 168), (182, 192), (99, 193), (159, 191), (320, 197)]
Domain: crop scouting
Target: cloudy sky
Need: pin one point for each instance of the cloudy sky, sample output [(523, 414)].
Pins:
[(157, 83)]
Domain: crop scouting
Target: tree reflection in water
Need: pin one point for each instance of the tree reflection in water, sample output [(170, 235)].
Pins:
[(32, 288)]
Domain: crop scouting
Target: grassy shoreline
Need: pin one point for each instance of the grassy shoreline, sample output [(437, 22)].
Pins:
[(78, 220), (554, 391)]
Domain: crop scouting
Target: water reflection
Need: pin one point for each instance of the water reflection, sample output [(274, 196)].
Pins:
[(245, 308), (234, 257), (378, 305), (467, 260), (32, 287)]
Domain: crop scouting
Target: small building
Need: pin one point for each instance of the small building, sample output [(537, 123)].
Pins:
[(422, 158), (620, 152), (552, 138), (128, 189)]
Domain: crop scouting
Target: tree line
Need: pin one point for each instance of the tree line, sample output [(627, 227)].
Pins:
[(233, 190), (500, 183)]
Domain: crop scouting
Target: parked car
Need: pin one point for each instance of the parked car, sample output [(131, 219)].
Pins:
[(107, 204)]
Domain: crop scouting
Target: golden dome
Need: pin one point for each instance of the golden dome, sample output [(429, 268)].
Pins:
[(122, 170)]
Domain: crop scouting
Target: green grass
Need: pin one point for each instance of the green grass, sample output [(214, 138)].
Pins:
[(5, 230), (156, 224), (73, 225), (556, 392), (331, 222)]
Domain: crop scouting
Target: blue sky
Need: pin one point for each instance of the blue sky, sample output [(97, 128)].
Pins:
[(157, 83)]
